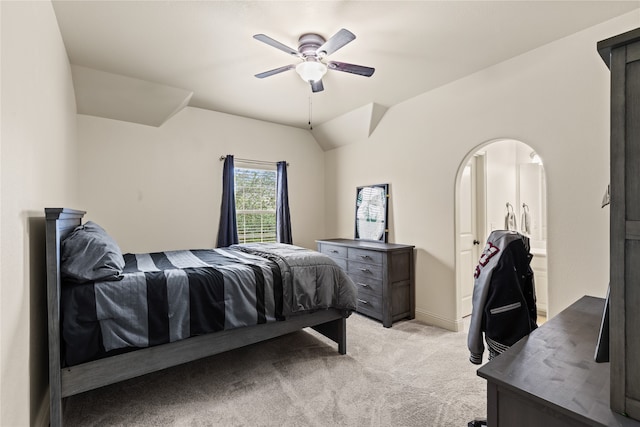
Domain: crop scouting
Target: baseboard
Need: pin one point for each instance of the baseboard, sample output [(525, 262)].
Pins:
[(439, 321), (42, 417), (542, 309)]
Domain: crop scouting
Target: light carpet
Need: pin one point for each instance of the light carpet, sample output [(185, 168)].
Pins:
[(409, 375)]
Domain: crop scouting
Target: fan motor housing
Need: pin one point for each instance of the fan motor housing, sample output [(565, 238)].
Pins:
[(309, 43)]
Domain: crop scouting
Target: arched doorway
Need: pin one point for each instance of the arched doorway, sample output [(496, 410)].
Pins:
[(497, 177)]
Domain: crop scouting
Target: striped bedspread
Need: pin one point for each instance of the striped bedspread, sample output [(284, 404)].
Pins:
[(169, 296)]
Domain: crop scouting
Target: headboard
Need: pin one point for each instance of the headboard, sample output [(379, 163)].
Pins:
[(59, 223)]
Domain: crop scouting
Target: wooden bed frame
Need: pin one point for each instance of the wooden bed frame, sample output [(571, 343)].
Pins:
[(67, 381)]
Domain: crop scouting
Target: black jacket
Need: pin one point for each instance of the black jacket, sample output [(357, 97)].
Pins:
[(504, 300)]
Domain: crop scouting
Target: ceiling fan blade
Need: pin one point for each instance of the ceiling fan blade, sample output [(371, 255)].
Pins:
[(271, 42), (317, 86), (351, 68), (275, 71), (336, 41)]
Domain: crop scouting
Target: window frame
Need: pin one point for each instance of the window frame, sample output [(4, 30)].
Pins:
[(266, 231)]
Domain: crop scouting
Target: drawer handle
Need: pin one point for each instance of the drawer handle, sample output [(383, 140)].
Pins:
[(364, 285), (365, 257), (333, 251), (365, 270), (361, 301)]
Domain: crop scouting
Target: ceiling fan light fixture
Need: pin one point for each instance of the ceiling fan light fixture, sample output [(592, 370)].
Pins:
[(311, 71), (312, 48)]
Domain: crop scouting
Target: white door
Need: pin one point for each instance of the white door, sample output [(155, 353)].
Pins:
[(470, 244)]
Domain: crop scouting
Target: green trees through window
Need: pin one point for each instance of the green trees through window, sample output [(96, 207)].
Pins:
[(255, 205)]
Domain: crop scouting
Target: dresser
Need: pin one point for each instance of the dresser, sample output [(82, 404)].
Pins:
[(383, 273), (549, 378)]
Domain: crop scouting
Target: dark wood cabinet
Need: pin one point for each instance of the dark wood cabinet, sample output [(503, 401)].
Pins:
[(622, 56), (383, 273)]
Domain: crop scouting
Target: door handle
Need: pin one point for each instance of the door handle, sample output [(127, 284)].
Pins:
[(476, 242)]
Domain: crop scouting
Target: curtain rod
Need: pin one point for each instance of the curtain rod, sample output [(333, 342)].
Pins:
[(256, 162)]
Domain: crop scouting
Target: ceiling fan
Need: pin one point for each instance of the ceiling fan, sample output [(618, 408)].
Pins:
[(313, 49)]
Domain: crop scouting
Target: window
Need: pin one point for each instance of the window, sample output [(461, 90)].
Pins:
[(255, 191)]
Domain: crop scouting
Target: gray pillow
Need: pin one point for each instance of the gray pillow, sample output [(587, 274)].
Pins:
[(89, 254)]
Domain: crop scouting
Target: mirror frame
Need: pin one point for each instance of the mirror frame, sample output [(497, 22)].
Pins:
[(383, 236)]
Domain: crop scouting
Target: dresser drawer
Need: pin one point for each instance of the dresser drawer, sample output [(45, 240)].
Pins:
[(334, 250), (367, 284), (364, 255), (370, 304), (357, 268), (342, 263)]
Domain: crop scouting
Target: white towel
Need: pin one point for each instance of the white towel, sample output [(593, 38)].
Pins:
[(525, 222), (510, 219)]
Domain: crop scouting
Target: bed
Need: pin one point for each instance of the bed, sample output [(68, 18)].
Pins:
[(194, 304)]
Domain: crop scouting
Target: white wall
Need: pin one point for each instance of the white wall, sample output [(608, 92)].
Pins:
[(556, 100), (38, 168), (160, 188)]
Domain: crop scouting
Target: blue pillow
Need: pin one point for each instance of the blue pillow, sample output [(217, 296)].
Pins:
[(89, 254)]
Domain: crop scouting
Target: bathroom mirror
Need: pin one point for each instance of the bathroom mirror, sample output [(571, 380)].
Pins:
[(532, 202), (372, 208)]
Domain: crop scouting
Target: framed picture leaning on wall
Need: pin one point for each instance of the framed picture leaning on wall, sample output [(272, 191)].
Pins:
[(372, 208)]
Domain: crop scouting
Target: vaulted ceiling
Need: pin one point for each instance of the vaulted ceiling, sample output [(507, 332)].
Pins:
[(142, 61)]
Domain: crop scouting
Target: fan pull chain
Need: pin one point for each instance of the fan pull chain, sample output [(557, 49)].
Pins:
[(310, 126)]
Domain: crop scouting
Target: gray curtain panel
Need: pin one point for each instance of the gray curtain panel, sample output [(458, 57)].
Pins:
[(228, 228)]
